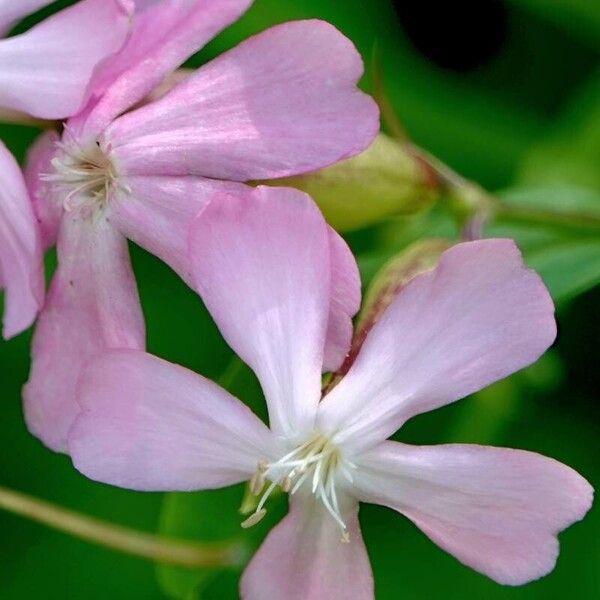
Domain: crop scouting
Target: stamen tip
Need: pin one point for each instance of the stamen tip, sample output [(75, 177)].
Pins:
[(257, 483), (254, 518), (345, 539)]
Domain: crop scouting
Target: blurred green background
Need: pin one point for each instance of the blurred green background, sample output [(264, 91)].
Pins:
[(508, 94)]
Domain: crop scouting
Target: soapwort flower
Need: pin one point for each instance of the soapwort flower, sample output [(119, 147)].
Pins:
[(261, 264), (21, 273), (51, 70), (46, 72), (282, 102)]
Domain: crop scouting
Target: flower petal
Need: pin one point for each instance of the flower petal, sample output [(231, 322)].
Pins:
[(476, 318), (261, 265), (92, 305), (497, 510), (303, 558), (157, 213), (164, 35), (147, 424), (72, 43), (281, 103), (21, 262), (46, 206), (11, 11), (345, 302)]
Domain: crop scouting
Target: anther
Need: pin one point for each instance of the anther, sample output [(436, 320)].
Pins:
[(254, 518), (257, 483)]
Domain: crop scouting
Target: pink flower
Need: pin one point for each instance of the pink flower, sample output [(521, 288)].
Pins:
[(283, 102), (49, 71), (261, 264), (45, 72), (21, 271)]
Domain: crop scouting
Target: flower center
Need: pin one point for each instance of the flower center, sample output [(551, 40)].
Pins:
[(317, 463), (84, 178)]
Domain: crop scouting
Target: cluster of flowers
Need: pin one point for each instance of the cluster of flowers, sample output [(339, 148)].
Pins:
[(160, 158)]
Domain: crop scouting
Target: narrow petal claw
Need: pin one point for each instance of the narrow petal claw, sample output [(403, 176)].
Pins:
[(261, 265)]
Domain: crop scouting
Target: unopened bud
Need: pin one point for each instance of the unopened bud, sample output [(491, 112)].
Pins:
[(386, 179)]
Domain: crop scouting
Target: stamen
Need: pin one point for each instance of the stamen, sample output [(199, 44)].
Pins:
[(254, 518), (258, 479), (317, 458), (84, 178)]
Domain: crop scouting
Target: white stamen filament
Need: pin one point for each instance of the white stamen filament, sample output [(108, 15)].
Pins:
[(83, 178), (317, 458)]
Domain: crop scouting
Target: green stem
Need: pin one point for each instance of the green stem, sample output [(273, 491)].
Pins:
[(123, 539), (471, 205), (529, 214), (8, 115)]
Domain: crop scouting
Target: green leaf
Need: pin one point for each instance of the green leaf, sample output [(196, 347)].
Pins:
[(570, 152), (208, 516), (566, 256), (581, 17)]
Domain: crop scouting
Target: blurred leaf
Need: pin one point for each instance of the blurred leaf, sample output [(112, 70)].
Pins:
[(581, 17), (570, 153), (567, 258), (555, 228), (486, 416), (384, 180), (209, 516)]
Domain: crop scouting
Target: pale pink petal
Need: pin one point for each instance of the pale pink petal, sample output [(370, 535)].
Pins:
[(261, 265), (303, 558), (12, 11), (92, 305), (478, 317), (497, 510), (21, 266), (157, 213), (48, 208), (46, 71), (147, 424), (165, 33), (345, 302), (280, 103)]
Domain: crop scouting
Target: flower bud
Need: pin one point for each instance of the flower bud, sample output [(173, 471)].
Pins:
[(386, 179)]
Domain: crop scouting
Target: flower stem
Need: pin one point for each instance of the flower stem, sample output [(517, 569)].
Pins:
[(8, 115), (123, 539), (558, 218)]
